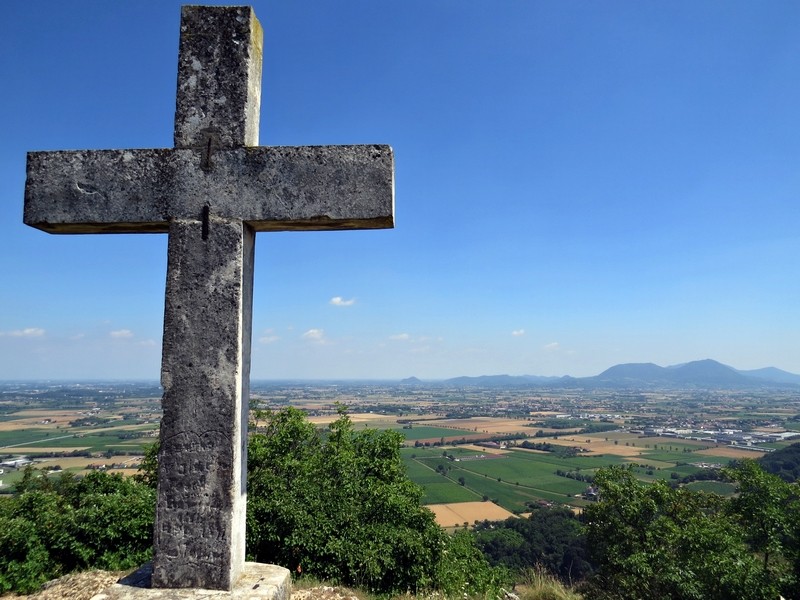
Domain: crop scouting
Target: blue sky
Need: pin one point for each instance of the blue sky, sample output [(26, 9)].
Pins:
[(578, 184)]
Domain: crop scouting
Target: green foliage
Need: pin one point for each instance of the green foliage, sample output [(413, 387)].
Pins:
[(341, 508), (652, 541), (463, 570), (767, 509), (551, 538), (148, 469), (785, 463), (56, 526)]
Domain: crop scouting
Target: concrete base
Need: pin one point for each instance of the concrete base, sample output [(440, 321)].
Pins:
[(257, 582)]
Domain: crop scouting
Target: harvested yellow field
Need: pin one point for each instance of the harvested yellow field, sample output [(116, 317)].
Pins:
[(597, 446), (483, 450), (34, 421), (728, 452), (81, 462), (457, 513), (71, 462), (666, 441), (481, 424), (355, 418)]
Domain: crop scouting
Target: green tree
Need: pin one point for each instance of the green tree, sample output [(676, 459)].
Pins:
[(148, 469), (56, 526), (464, 572), (766, 507), (550, 538), (653, 542), (341, 508)]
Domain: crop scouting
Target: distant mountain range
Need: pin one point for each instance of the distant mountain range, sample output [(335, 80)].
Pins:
[(705, 374)]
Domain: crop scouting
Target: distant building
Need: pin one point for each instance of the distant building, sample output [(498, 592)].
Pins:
[(16, 463)]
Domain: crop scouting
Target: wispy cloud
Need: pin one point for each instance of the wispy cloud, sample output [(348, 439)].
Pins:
[(339, 301), (268, 337), (28, 332), (121, 333), (518, 332), (315, 335), (552, 346), (400, 337)]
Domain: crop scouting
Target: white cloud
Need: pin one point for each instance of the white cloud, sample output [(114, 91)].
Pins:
[(518, 332), (268, 337), (27, 332), (552, 346), (315, 335), (148, 343), (339, 301), (401, 337), (121, 333)]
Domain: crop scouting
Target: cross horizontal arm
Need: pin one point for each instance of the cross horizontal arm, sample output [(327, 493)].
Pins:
[(271, 188)]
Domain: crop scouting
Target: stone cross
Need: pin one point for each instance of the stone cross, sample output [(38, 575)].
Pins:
[(210, 193)]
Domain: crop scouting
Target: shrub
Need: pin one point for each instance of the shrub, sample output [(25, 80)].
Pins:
[(342, 509), (54, 527)]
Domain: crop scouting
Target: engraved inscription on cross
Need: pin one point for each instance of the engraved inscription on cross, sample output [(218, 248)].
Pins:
[(210, 193)]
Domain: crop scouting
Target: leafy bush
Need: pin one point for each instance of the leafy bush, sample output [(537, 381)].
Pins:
[(54, 527), (785, 462), (342, 509), (551, 538), (652, 541)]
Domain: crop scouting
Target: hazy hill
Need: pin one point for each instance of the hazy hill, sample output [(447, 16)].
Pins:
[(708, 374), (501, 380), (697, 374), (633, 372), (773, 374)]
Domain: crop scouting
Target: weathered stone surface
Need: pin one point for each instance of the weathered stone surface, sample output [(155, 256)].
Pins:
[(272, 189), (219, 77), (257, 582), (205, 372), (211, 193)]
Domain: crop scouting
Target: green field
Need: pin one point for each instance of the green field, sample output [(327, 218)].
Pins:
[(422, 432), (513, 480), (448, 491), (713, 487), (517, 478), (27, 436)]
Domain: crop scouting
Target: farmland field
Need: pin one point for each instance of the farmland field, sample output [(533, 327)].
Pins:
[(441, 426), (713, 487), (455, 515)]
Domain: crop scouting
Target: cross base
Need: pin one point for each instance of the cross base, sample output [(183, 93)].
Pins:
[(257, 582)]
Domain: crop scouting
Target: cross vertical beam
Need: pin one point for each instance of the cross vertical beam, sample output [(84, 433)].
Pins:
[(210, 193), (199, 538)]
